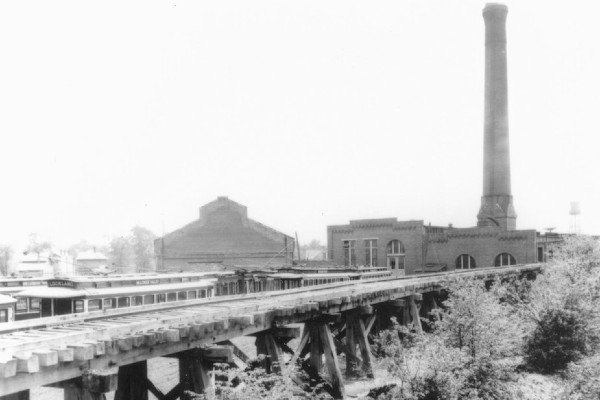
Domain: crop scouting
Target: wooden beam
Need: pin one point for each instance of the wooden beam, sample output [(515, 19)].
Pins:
[(174, 393), (154, 390), (132, 382), (282, 332), (414, 311), (46, 357), (274, 352), (99, 381), (216, 354), (285, 348), (316, 358), (301, 346), (331, 361), (343, 348), (370, 322), (239, 353), (351, 363), (361, 337), (365, 310), (27, 363), (193, 374), (8, 367), (90, 386)]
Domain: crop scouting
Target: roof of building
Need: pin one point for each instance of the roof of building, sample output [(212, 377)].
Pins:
[(224, 228)]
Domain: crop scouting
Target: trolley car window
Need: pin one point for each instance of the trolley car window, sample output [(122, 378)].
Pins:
[(171, 296), (78, 306), (94, 305), (181, 296), (192, 294), (123, 302), (22, 305), (34, 304), (149, 299), (137, 300), (161, 298), (202, 293), (3, 316), (109, 303)]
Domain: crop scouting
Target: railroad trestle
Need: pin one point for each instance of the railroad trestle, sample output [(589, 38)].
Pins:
[(90, 358)]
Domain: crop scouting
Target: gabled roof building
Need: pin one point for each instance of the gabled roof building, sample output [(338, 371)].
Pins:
[(223, 235)]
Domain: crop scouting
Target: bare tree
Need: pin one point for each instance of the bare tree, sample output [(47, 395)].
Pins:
[(37, 246), (120, 255), (142, 240)]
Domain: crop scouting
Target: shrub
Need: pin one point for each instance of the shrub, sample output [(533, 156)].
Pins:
[(559, 338)]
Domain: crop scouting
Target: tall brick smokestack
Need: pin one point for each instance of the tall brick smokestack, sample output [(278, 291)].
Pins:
[(496, 203)]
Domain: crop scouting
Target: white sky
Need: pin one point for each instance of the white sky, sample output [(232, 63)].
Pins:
[(310, 113)]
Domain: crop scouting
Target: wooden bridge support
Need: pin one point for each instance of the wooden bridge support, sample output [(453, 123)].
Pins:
[(133, 382), (194, 369), (267, 345), (193, 373), (357, 335), (273, 343), (320, 342), (90, 386), (415, 302)]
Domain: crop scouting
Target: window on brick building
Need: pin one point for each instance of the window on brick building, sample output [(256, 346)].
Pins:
[(371, 252), (395, 255), (465, 261), (349, 253), (504, 259)]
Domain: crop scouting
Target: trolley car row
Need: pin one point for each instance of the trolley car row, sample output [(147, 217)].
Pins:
[(83, 294)]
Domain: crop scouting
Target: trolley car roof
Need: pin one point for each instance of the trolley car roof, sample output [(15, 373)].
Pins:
[(64, 292), (7, 299)]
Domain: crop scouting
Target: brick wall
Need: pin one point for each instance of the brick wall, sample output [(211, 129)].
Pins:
[(410, 233), (441, 247)]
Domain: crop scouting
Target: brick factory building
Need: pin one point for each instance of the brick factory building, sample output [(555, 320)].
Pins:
[(412, 246), (407, 247), (223, 235)]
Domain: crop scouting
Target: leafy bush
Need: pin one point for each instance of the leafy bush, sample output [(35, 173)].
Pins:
[(559, 338), (583, 379)]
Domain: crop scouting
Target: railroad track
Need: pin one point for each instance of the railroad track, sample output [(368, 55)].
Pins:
[(58, 321)]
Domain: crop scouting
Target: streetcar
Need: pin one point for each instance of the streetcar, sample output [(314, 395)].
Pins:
[(11, 285), (7, 308), (83, 294)]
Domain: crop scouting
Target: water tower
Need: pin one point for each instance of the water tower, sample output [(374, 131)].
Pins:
[(574, 221)]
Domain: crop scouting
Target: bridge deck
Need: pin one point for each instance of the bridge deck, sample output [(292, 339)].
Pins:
[(42, 356)]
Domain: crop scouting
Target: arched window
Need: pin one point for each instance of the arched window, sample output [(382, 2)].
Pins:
[(465, 261), (395, 255), (504, 259)]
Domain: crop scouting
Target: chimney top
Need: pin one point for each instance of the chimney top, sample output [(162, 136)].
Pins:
[(495, 8)]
